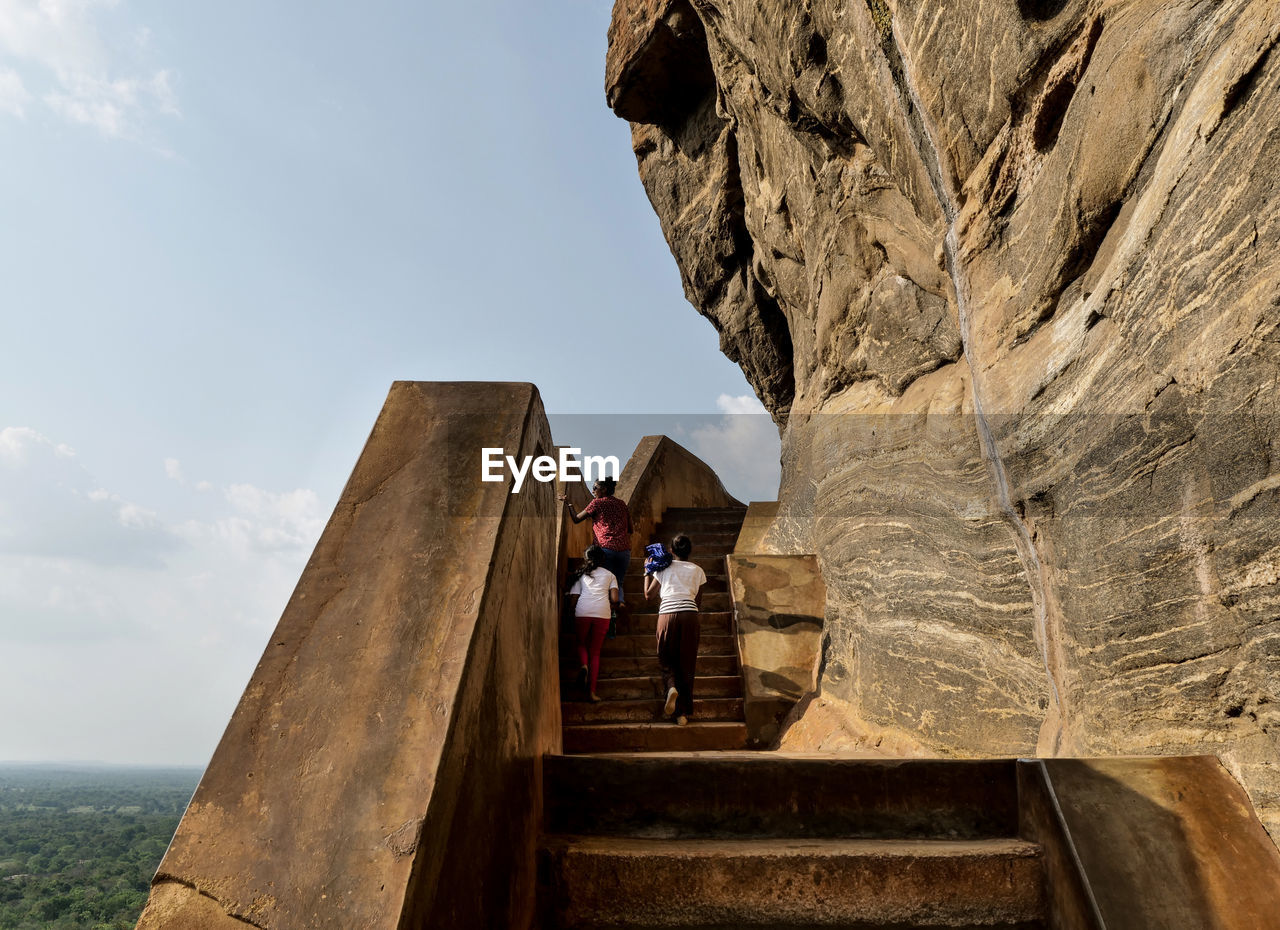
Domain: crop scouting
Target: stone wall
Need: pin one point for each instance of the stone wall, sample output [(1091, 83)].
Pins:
[(778, 603), (1005, 274), (661, 473), (383, 768)]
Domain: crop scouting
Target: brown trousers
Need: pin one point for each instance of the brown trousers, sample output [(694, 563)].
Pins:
[(678, 636)]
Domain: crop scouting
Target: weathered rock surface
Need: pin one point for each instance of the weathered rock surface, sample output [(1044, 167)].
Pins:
[(778, 604), (397, 721), (1006, 274), (1160, 842)]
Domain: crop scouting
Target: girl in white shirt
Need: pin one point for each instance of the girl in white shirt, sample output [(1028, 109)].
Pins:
[(680, 585), (593, 596)]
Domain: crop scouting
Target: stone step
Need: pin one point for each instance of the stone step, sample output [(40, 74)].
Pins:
[(696, 736), (636, 600), (759, 794), (711, 563), (673, 515), (710, 644), (594, 880), (648, 710), (728, 514), (711, 602), (616, 923), (719, 622), (646, 666), (676, 522), (619, 924), (645, 627), (706, 543), (650, 686), (707, 540), (633, 586)]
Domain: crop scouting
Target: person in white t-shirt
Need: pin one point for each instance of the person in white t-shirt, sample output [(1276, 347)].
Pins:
[(592, 598), (680, 585)]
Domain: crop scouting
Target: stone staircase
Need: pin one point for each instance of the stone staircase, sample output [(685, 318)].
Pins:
[(742, 839), (629, 716), (646, 827)]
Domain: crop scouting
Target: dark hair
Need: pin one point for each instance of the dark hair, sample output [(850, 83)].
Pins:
[(591, 560), (608, 485), (682, 546)]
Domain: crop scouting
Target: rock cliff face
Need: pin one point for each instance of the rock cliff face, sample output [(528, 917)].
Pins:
[(1006, 273)]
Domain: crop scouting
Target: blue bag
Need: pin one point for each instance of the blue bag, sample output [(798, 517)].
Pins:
[(659, 558)]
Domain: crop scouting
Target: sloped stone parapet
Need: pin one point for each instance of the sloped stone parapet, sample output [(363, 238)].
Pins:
[(383, 769), (661, 473), (1149, 842)]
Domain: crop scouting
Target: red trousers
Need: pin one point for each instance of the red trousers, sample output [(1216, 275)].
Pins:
[(591, 634)]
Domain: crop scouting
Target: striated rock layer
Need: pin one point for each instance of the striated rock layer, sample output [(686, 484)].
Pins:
[(1006, 274)]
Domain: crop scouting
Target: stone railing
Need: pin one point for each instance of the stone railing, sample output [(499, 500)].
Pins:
[(383, 768), (661, 473), (1168, 841), (778, 606)]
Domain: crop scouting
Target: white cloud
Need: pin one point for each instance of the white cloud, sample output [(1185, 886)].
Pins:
[(112, 106), (14, 96), (88, 63), (173, 468), (133, 515), (62, 532), (17, 442), (52, 507), (115, 610), (261, 522), (744, 403), (14, 442), (742, 446)]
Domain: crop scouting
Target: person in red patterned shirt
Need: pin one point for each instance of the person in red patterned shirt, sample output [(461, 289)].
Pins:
[(611, 525)]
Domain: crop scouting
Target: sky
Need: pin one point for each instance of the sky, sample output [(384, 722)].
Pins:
[(227, 229)]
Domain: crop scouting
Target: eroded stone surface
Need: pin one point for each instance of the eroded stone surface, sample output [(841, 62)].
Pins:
[(661, 473), (1166, 842), (398, 717), (778, 604), (1005, 272)]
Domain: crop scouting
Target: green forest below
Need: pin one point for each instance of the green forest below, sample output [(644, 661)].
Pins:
[(78, 845)]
